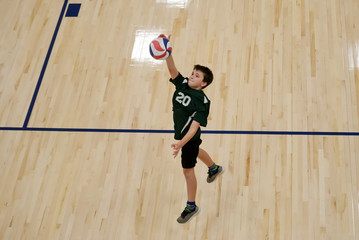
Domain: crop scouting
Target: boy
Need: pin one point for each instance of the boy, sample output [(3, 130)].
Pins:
[(190, 111)]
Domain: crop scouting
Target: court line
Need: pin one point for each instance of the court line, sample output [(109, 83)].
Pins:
[(224, 132), (44, 66)]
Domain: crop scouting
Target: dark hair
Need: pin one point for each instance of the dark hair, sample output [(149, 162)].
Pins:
[(207, 73)]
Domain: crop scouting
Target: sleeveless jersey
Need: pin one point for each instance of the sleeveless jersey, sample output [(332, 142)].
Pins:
[(188, 105)]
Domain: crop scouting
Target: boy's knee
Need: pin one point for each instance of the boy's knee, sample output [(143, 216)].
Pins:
[(188, 172)]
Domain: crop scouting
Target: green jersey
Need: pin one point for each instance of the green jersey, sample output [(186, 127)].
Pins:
[(188, 105)]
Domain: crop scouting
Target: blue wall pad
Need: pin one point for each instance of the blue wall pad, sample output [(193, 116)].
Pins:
[(73, 10)]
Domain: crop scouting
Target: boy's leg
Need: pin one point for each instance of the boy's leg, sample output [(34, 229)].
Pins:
[(205, 158), (191, 209), (214, 170), (188, 157), (191, 183)]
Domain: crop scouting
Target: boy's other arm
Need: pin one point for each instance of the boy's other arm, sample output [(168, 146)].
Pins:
[(191, 132)]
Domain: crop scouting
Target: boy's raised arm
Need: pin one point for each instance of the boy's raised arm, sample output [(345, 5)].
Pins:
[(172, 67), (170, 62)]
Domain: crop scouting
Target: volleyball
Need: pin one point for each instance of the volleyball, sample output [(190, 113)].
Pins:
[(160, 48)]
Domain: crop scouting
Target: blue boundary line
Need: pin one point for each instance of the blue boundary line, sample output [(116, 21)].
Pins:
[(44, 66), (224, 132)]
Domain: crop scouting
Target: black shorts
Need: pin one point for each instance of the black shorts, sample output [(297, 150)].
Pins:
[(190, 153)]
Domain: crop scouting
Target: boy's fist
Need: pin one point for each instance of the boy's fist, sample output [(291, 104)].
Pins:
[(164, 36)]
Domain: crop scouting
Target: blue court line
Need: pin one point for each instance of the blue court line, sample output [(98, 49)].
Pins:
[(224, 132), (33, 100)]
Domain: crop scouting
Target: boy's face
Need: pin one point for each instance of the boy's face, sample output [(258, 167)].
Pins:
[(195, 81)]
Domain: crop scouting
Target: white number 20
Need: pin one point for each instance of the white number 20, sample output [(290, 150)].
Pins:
[(184, 100)]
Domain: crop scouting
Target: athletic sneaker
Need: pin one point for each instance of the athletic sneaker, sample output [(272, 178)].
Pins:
[(187, 215), (212, 176)]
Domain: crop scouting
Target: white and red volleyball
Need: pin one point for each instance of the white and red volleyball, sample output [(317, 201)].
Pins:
[(160, 48)]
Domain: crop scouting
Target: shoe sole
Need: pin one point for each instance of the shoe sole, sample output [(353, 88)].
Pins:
[(199, 210), (218, 175)]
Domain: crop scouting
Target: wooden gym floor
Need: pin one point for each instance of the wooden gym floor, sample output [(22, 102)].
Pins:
[(85, 119)]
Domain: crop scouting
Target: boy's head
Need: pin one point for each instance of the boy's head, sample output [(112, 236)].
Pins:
[(201, 77)]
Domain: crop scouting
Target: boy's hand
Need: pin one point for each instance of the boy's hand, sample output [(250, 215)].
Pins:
[(176, 147), (164, 36)]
